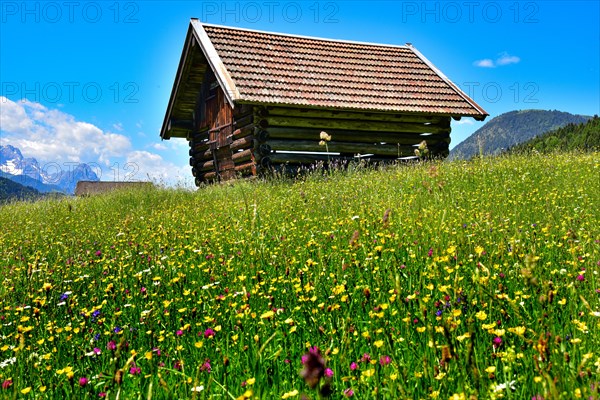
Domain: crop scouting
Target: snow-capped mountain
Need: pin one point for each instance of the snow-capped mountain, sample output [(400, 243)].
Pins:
[(48, 178)]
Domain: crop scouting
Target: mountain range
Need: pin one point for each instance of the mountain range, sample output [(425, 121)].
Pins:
[(511, 128), (47, 178)]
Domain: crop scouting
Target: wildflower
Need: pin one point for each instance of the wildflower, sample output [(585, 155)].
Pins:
[(580, 278), (348, 392), (98, 253), (134, 369), (198, 388), (328, 372), (102, 394), (64, 296), (209, 332), (179, 332), (353, 366), (385, 360), (365, 358), (314, 367), (497, 342), (26, 390), (205, 366), (117, 329), (7, 383), (287, 395), (111, 345), (83, 381), (324, 136)]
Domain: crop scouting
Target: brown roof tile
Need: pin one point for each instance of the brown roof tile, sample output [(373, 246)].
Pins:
[(274, 68)]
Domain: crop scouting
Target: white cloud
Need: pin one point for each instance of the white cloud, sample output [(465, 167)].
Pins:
[(506, 59), (485, 63), (118, 127), (52, 135), (159, 146), (144, 165), (464, 121), (503, 59)]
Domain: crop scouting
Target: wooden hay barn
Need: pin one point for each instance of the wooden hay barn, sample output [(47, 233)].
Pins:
[(248, 100)]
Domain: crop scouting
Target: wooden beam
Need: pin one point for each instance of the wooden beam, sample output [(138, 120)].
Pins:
[(343, 147), (358, 125), (334, 114), (357, 136)]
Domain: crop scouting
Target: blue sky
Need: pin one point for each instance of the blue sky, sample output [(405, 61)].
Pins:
[(89, 81)]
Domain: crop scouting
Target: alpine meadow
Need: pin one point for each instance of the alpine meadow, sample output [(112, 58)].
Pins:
[(450, 280)]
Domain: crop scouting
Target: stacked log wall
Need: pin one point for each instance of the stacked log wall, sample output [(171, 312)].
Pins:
[(378, 137)]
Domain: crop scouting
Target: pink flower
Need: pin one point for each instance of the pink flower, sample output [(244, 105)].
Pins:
[(7, 383), (580, 278), (111, 345), (102, 394), (83, 381), (348, 392), (97, 350), (98, 253), (134, 369), (328, 372), (385, 360), (353, 366), (365, 358), (208, 333), (179, 332), (497, 342)]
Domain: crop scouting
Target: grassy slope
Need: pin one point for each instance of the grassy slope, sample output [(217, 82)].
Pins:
[(505, 250)]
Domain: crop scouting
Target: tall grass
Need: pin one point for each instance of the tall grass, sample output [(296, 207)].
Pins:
[(434, 280)]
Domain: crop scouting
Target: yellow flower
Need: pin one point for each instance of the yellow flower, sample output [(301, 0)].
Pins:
[(268, 314), (491, 369), (250, 381), (537, 379), (378, 343), (481, 315), (517, 330), (369, 372), (421, 329), (26, 390), (287, 395)]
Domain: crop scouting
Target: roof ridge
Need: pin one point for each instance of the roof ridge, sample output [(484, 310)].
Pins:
[(296, 36)]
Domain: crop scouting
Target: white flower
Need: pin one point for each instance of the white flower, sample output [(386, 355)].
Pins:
[(198, 388), (325, 136)]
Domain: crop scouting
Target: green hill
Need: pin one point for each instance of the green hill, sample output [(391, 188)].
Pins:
[(10, 190), (583, 136), (512, 128)]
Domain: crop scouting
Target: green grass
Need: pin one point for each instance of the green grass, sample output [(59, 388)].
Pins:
[(443, 280)]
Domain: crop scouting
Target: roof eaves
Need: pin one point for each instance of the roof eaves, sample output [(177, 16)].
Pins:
[(450, 83), (223, 77), (164, 131)]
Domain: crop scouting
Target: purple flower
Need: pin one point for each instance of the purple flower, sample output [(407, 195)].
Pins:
[(365, 358), (64, 296), (134, 369), (205, 366), (580, 278), (83, 381), (497, 342), (111, 345), (117, 329), (430, 252), (209, 332), (97, 350), (98, 253), (96, 337)]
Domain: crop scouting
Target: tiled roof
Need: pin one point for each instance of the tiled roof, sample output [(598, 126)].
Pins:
[(272, 68)]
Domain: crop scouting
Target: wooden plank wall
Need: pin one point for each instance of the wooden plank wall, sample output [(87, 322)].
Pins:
[(384, 137), (221, 146)]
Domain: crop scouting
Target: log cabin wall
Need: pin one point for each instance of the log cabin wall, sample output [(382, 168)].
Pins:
[(379, 137), (221, 145)]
